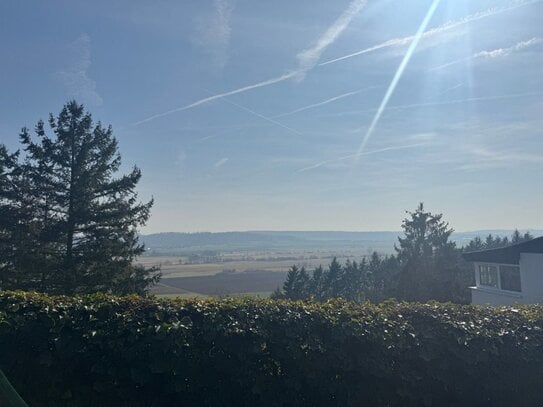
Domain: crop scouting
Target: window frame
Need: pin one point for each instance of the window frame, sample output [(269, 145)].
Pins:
[(499, 285)]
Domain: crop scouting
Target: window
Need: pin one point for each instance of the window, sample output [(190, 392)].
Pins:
[(488, 276), (510, 278)]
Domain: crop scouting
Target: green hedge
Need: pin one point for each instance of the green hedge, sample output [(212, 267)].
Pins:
[(129, 351)]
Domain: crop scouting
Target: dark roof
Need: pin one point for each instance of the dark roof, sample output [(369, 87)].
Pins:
[(506, 255)]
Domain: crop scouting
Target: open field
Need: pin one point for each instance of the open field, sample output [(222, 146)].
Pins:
[(183, 266), (225, 283), (237, 273)]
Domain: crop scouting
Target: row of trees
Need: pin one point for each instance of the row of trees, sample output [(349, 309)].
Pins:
[(352, 281), (67, 224), (427, 266), (495, 242)]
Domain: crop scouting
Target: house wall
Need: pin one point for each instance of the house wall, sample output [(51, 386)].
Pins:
[(531, 277), (489, 296), (531, 282)]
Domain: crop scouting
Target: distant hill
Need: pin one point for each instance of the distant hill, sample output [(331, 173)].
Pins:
[(162, 243), (179, 243)]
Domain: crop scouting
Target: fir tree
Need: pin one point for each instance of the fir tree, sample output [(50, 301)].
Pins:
[(333, 284), (296, 286), (80, 220), (426, 256), (316, 284), (354, 281)]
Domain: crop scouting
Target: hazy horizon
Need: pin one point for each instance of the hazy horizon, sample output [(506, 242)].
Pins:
[(297, 116)]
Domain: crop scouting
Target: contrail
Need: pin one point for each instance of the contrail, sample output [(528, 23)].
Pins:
[(221, 162), (261, 116), (434, 31), (450, 102), (398, 74), (503, 52), (496, 53), (445, 103), (324, 102), (307, 59), (389, 43), (457, 86), (351, 156), (221, 95)]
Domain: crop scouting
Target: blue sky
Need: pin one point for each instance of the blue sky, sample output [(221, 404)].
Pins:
[(251, 115)]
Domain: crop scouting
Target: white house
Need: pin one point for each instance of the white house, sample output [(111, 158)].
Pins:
[(510, 275)]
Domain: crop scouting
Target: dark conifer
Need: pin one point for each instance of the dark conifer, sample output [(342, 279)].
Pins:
[(79, 219)]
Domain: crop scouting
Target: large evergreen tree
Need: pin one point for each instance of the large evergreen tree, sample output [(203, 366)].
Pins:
[(430, 263), (77, 222)]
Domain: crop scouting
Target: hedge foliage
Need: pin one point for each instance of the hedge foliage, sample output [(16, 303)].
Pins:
[(131, 351)]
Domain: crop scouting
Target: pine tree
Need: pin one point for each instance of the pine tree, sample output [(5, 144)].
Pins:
[(296, 285), (354, 281), (333, 280), (316, 284), (517, 237), (426, 256), (376, 282), (475, 244), (301, 287), (290, 282), (80, 220)]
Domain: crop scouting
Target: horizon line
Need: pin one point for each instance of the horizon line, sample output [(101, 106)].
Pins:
[(338, 231)]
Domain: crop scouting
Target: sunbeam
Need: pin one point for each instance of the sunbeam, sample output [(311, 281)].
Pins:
[(397, 77)]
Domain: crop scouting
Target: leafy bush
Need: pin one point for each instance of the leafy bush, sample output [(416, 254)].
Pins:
[(130, 351)]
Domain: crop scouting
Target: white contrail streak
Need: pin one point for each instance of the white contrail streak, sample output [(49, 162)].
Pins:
[(467, 100), (496, 53), (268, 119), (398, 74), (221, 95), (457, 86), (395, 42), (448, 102), (307, 59), (221, 162), (324, 102), (352, 156), (386, 44), (503, 52)]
